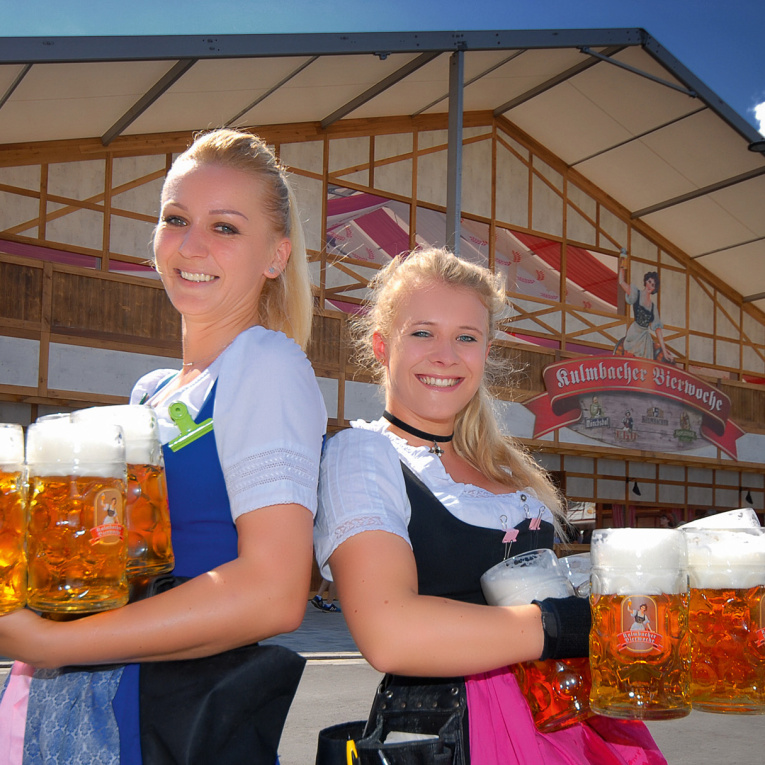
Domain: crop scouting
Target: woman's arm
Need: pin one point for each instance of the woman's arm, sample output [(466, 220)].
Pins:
[(660, 338), (402, 632), (623, 283), (261, 593)]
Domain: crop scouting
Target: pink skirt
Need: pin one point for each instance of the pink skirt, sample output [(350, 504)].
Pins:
[(502, 731), (13, 714)]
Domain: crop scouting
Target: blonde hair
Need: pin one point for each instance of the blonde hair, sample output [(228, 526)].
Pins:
[(477, 435), (286, 302)]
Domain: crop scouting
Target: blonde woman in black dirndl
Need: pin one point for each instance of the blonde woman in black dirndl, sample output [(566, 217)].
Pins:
[(415, 506)]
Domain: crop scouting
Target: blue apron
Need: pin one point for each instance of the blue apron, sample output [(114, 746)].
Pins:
[(204, 537)]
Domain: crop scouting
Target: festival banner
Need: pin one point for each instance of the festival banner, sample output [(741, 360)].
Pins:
[(634, 402)]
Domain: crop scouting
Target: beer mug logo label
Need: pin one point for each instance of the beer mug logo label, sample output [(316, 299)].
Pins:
[(639, 618), (108, 517)]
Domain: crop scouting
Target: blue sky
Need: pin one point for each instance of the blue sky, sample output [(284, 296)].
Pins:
[(720, 41)]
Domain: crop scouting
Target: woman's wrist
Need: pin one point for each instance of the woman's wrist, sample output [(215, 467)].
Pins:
[(566, 625)]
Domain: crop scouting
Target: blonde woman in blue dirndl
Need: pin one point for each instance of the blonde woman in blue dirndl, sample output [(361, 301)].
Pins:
[(229, 250)]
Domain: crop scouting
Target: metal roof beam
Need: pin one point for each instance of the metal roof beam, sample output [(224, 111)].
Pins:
[(639, 136), (711, 99), (271, 91), (479, 76), (147, 99), (729, 247), (15, 50), (454, 151), (551, 83), (639, 72), (379, 87), (699, 193), (15, 84)]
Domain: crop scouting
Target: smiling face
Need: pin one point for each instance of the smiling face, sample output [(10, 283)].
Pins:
[(214, 244), (435, 355)]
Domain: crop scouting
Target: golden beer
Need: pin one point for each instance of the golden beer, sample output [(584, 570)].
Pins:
[(727, 622), (639, 641), (147, 515), (557, 691), (76, 537), (13, 519), (634, 675), (150, 551), (13, 561), (728, 650), (76, 544)]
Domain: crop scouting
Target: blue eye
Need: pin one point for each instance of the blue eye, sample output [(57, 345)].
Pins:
[(174, 220), (421, 333), (467, 339), (226, 228)]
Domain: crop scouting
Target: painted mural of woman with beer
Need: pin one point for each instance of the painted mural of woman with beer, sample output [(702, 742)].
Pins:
[(644, 338), (242, 424), (416, 506)]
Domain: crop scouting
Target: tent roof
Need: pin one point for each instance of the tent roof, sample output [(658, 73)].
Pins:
[(611, 103)]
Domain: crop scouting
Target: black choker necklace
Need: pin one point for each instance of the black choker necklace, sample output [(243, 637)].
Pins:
[(435, 449)]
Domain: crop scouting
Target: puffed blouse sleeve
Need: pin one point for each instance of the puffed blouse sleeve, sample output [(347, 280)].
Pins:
[(361, 488), (269, 421)]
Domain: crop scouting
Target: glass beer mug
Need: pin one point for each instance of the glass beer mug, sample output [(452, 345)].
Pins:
[(743, 518), (727, 619), (556, 690), (13, 519), (76, 540), (147, 515), (639, 642)]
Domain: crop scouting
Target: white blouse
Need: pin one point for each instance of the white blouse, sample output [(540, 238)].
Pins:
[(268, 417), (361, 488)]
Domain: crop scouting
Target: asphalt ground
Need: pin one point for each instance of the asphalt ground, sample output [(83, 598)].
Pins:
[(338, 686)]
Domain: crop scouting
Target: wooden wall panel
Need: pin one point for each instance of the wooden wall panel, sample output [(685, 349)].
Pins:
[(112, 309), (747, 406), (21, 293), (328, 351)]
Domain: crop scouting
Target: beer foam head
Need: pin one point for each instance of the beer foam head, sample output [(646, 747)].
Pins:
[(60, 447), (529, 576), (743, 518), (54, 416), (11, 445), (639, 561), (726, 558), (139, 426)]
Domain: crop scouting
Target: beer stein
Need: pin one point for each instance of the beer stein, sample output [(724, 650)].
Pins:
[(13, 519), (639, 642), (556, 690), (743, 518), (727, 619), (147, 515), (577, 569), (76, 540)]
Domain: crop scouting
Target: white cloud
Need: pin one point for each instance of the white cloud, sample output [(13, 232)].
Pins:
[(759, 115)]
